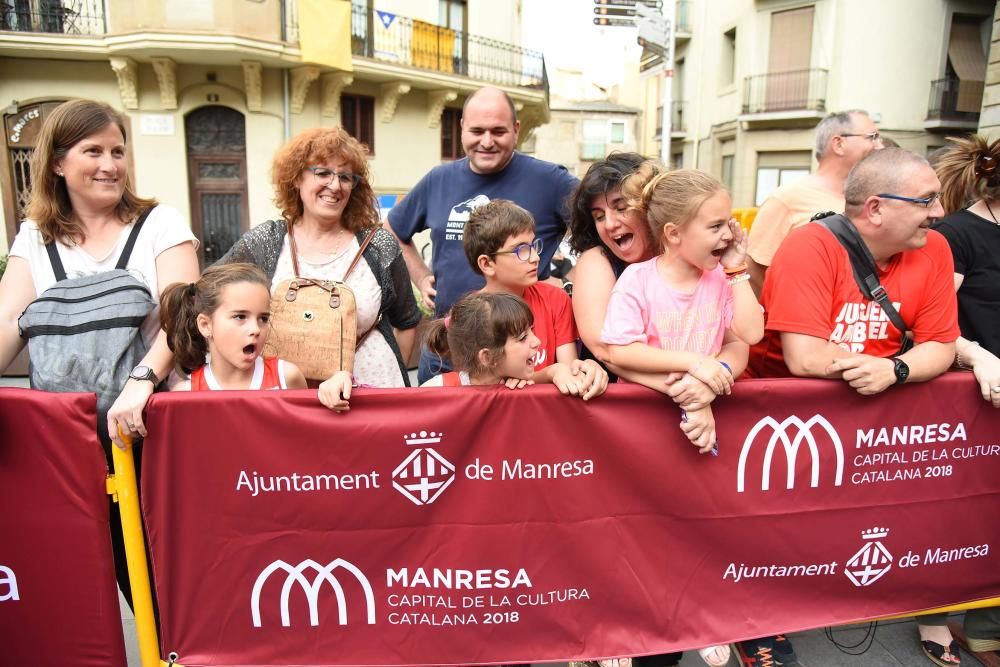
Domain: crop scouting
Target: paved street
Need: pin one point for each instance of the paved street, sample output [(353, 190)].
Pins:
[(894, 645)]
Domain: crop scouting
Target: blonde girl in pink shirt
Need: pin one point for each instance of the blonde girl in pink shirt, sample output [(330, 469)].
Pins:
[(690, 309)]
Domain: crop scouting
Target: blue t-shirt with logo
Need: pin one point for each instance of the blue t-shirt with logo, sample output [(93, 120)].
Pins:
[(443, 199)]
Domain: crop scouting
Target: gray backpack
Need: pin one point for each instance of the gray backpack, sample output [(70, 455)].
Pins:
[(84, 333)]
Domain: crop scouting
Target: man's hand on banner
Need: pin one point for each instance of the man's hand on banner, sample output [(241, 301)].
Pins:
[(868, 375)]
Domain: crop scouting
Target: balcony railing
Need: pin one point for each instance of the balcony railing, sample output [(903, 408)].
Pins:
[(406, 41), (678, 123), (798, 90), (67, 17), (948, 96), (677, 120)]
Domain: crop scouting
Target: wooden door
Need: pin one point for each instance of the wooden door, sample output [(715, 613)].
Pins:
[(217, 178)]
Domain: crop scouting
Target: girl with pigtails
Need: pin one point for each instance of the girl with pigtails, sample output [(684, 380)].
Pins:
[(217, 328), (689, 309)]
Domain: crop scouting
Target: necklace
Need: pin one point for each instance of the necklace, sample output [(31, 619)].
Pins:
[(995, 221)]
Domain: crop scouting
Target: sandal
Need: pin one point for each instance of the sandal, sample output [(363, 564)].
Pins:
[(943, 656), (983, 645), (715, 656)]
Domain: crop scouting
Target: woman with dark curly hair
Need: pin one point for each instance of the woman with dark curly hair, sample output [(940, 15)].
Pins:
[(608, 235), (323, 189)]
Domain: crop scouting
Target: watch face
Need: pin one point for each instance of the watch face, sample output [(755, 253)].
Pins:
[(143, 373), (902, 370)]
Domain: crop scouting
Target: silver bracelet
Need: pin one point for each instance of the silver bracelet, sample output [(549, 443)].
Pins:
[(964, 363)]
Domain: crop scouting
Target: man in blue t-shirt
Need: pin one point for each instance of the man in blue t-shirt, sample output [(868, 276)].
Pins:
[(443, 199)]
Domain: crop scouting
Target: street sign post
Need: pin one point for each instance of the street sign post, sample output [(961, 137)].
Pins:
[(656, 36)]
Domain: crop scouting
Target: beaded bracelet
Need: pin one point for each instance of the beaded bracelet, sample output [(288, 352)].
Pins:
[(739, 278)]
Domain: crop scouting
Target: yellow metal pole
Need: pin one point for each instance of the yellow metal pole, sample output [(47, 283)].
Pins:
[(126, 494), (978, 604)]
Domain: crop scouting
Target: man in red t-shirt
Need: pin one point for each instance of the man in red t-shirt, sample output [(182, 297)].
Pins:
[(817, 322)]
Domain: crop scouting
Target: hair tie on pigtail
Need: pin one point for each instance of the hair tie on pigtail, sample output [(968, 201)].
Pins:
[(447, 322), (649, 188), (986, 169), (192, 289)]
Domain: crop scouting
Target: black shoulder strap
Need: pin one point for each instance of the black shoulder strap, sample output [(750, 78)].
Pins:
[(57, 265), (132, 236), (865, 271)]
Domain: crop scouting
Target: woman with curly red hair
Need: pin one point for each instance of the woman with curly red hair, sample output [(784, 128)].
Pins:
[(323, 189)]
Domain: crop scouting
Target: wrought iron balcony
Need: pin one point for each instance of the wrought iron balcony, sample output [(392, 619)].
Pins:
[(67, 17), (947, 96), (678, 124), (797, 90), (405, 41)]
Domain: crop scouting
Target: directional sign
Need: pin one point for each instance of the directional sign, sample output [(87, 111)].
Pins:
[(623, 23), (650, 63), (655, 33), (656, 4), (614, 11)]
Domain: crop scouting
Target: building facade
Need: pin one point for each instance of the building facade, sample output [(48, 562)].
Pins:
[(212, 88), (581, 132), (752, 78)]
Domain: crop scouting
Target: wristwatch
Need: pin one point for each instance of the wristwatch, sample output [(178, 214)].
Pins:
[(901, 370), (141, 372)]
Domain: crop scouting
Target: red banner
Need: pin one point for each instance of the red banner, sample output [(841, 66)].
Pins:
[(458, 526), (58, 597)]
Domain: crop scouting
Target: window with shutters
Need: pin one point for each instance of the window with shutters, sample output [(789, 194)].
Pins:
[(357, 116)]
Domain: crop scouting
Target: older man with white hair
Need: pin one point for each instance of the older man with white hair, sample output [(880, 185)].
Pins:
[(842, 139)]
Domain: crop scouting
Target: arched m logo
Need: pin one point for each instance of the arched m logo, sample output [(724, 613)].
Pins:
[(804, 433), (324, 574)]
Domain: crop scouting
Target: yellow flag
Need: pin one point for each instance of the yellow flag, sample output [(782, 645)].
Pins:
[(325, 33)]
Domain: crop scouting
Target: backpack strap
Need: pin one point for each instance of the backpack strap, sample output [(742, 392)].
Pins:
[(55, 261), (57, 266), (132, 236), (865, 271)]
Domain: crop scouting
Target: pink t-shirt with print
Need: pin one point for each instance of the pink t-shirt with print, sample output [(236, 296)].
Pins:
[(644, 308)]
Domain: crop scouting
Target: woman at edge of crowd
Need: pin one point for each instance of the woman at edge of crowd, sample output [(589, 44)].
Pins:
[(82, 198), (323, 189), (969, 170)]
